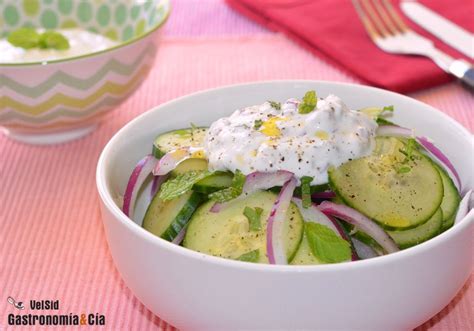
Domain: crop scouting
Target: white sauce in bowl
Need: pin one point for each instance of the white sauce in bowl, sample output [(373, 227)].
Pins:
[(80, 41), (305, 144)]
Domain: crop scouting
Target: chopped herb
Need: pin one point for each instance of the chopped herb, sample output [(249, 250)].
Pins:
[(231, 192), (53, 39), (306, 191), (383, 121), (388, 108), (276, 105), (24, 37), (181, 184), (403, 169), (253, 215), (309, 103), (257, 124), (28, 38), (251, 256), (325, 245), (408, 150)]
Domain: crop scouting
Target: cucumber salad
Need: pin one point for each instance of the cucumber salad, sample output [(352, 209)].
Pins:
[(299, 182)]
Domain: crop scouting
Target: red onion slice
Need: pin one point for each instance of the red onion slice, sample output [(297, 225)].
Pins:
[(398, 131), (360, 221), (395, 131), (254, 182), (156, 184), (275, 250), (136, 180), (314, 215), (436, 152), (265, 180), (465, 208), (179, 238)]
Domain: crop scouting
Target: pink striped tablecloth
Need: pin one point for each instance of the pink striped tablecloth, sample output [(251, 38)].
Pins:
[(52, 244)]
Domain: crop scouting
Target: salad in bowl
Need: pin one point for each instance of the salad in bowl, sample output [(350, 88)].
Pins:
[(300, 182)]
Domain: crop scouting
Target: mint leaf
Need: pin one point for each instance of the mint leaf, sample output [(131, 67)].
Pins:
[(326, 245), (408, 150), (28, 38), (231, 192), (276, 105), (181, 184), (224, 195), (257, 124), (309, 103), (253, 215), (306, 190), (24, 37), (53, 39), (251, 256)]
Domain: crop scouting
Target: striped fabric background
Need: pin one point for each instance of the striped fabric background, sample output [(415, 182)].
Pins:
[(52, 243)]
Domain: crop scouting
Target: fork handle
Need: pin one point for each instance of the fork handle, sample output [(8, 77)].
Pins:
[(464, 71)]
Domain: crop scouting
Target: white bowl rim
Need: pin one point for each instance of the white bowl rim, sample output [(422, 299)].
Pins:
[(163, 244), (120, 45)]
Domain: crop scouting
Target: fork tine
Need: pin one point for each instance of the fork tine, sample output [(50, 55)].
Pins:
[(385, 17), (373, 34), (375, 19), (396, 18)]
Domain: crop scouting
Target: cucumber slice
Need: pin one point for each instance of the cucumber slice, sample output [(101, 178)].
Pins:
[(165, 219), (190, 165), (313, 189), (447, 223), (369, 241), (169, 141), (415, 236), (216, 182), (226, 233), (304, 255), (451, 199), (396, 200)]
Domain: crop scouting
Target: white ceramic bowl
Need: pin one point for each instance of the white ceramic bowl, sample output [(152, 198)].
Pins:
[(194, 291)]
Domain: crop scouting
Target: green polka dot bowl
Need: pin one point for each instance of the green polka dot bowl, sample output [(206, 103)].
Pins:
[(59, 100)]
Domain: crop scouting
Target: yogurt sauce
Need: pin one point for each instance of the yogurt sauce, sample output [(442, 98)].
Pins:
[(80, 41), (305, 144)]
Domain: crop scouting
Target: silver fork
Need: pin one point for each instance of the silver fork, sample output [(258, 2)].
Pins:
[(388, 31)]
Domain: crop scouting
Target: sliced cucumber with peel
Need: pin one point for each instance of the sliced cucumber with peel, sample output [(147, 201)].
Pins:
[(451, 199), (166, 219), (172, 140), (190, 165), (374, 186), (226, 233), (422, 233), (213, 183)]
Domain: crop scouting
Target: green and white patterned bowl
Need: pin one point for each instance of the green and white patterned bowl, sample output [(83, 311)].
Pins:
[(60, 100)]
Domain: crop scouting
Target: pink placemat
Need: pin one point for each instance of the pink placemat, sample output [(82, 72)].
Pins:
[(52, 244)]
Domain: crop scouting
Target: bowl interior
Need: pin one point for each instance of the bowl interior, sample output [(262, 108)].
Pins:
[(118, 20), (134, 141)]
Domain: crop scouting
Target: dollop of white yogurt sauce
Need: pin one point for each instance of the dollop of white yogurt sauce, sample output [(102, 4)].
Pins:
[(80, 42), (305, 144)]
